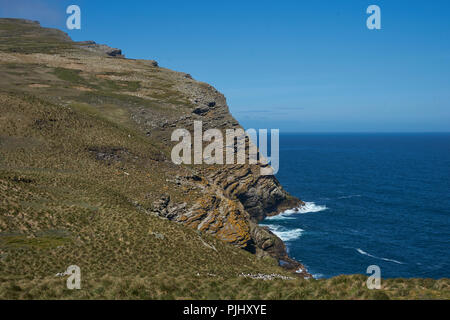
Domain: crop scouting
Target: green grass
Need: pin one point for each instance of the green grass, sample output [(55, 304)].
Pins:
[(74, 77), (61, 205), (19, 36), (59, 185), (163, 287), (23, 241), (130, 86), (69, 75)]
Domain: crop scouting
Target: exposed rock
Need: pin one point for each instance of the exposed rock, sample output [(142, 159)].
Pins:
[(160, 206), (101, 48), (226, 201), (201, 110), (151, 63), (235, 197)]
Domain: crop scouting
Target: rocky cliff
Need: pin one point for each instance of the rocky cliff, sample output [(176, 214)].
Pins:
[(149, 102), (86, 179)]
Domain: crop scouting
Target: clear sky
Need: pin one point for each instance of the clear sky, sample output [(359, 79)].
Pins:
[(306, 66)]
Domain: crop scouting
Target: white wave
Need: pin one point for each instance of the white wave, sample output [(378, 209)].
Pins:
[(285, 234), (300, 270), (311, 207), (350, 196), (306, 208), (282, 216), (380, 258)]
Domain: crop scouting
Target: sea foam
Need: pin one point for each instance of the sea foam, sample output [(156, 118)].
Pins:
[(380, 258), (311, 207), (284, 233), (306, 208)]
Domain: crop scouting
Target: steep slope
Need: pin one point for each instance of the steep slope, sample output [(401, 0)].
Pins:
[(86, 178), (150, 102)]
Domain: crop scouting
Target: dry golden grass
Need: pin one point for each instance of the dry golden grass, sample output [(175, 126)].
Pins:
[(60, 204)]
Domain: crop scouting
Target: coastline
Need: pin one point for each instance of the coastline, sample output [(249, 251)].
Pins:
[(284, 260), (87, 181), (286, 235)]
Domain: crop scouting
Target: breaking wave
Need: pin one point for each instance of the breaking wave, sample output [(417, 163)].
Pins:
[(380, 258), (306, 208), (284, 233), (311, 207)]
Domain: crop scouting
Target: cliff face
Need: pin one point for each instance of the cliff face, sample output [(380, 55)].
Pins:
[(226, 201), (235, 197), (86, 178)]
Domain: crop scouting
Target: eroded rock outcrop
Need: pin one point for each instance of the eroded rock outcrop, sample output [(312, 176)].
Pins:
[(234, 197), (101, 48), (148, 103)]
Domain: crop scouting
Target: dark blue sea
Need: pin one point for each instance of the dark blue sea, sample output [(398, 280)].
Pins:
[(371, 199)]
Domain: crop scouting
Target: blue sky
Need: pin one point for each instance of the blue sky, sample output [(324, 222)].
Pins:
[(306, 66)]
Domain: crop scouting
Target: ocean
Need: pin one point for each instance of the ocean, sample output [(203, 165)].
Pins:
[(371, 199)]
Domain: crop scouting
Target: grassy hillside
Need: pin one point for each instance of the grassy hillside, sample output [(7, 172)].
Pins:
[(83, 159)]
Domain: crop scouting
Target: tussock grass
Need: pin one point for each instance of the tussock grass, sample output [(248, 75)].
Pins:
[(61, 203)]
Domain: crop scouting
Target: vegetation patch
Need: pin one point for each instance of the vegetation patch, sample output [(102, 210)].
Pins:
[(42, 241), (69, 75), (61, 205)]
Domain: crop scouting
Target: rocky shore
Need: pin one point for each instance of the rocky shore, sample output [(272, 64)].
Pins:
[(87, 180), (225, 201)]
